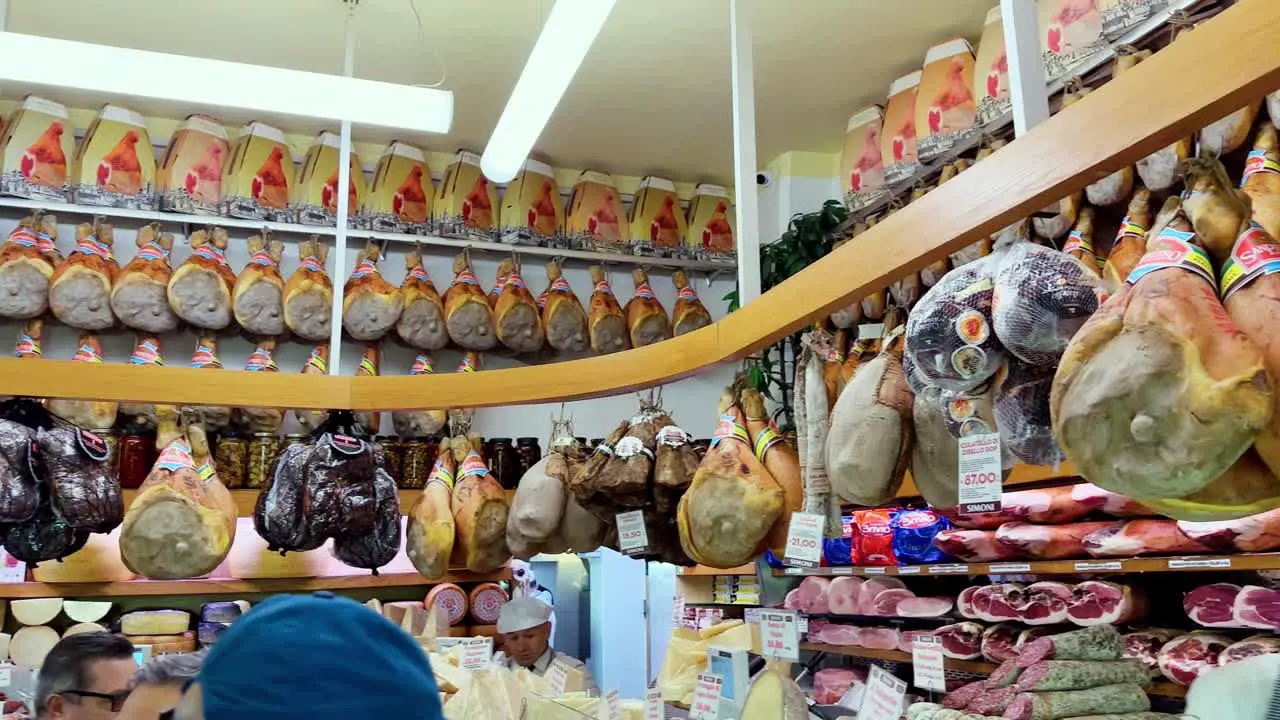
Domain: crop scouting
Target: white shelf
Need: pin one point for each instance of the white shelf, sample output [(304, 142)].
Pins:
[(145, 216)]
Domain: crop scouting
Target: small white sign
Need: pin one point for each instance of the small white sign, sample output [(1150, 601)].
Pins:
[(909, 570), (948, 569), (556, 678), (874, 571), (804, 624), (653, 708), (852, 698), (6, 677), (980, 475), (706, 697), (751, 615), (781, 634), (1203, 563), (842, 570), (477, 652), (804, 540), (1008, 568), (632, 537), (1095, 566), (883, 700), (927, 661), (793, 571), (677, 610), (609, 709)]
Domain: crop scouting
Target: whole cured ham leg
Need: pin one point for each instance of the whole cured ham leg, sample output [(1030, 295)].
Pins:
[(370, 366), (200, 289), (260, 419), (1130, 243), (516, 315), (647, 320), (308, 294), (468, 316), (258, 296), (419, 423), (606, 322), (140, 296), (88, 414), (430, 530), (80, 288), (563, 316), (1079, 243), (421, 324), (370, 305), (479, 511), (27, 262), (205, 356), (689, 313), (145, 354), (317, 364), (1216, 210), (780, 460), (1262, 180)]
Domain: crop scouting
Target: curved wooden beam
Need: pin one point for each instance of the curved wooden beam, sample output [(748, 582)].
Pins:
[(1227, 62)]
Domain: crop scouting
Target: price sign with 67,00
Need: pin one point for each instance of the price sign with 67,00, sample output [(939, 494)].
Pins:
[(804, 540), (981, 477)]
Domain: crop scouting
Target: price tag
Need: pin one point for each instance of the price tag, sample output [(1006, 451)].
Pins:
[(947, 569), (477, 652), (981, 477), (804, 540), (653, 708), (874, 570), (1009, 568), (677, 611), (556, 678), (609, 709), (781, 634), (1203, 563), (926, 659), (751, 615), (793, 571), (1094, 566), (6, 677), (706, 697), (884, 695), (632, 537), (803, 624), (852, 698), (909, 570), (843, 570)]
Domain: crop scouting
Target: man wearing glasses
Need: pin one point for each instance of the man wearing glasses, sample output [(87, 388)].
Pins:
[(85, 677)]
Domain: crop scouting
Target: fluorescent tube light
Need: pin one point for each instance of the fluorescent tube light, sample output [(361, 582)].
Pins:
[(570, 29), (203, 83)]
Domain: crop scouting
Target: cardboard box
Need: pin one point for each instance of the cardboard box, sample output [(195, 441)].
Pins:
[(991, 70), (402, 194), (596, 220), (1070, 31), (1120, 15), (190, 176), (711, 224), (945, 107), (38, 146), (315, 194), (466, 203), (257, 179), (898, 138), (861, 164), (532, 211), (116, 165), (657, 221)]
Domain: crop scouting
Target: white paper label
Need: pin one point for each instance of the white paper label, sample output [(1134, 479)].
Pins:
[(781, 633), (706, 697), (804, 540), (1009, 568), (556, 678), (751, 615), (609, 709), (793, 571), (883, 699), (476, 652), (842, 570), (677, 610), (927, 661), (804, 624), (632, 538), (909, 570), (1088, 566), (1204, 563), (980, 474), (6, 677), (947, 569), (653, 709), (12, 570), (852, 698), (874, 571)]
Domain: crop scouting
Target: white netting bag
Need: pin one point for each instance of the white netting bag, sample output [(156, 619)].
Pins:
[(1042, 297), (950, 339), (1022, 413)]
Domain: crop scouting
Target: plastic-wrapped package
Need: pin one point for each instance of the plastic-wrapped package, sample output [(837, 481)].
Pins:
[(838, 550), (941, 418), (44, 537), (1042, 297), (340, 483), (280, 514), (949, 334), (913, 533), (83, 488), (1022, 413), (373, 549), (873, 532), (19, 489)]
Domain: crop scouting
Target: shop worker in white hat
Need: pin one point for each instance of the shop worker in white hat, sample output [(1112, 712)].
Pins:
[(525, 630)]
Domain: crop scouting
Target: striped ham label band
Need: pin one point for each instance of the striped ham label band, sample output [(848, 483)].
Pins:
[(262, 257), (312, 264), (728, 427), (211, 252), (441, 474), (318, 362), (767, 439), (687, 293), (466, 276), (151, 251), (473, 465), (419, 274)]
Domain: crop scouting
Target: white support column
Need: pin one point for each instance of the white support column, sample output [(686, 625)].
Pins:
[(744, 151), (340, 237), (1027, 87)]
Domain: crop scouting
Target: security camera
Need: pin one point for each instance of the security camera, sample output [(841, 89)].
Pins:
[(764, 178)]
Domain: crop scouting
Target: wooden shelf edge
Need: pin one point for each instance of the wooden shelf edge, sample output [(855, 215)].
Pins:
[(1165, 689), (1182, 563)]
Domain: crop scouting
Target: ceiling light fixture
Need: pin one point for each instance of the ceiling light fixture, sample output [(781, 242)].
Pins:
[(562, 46), (201, 82)]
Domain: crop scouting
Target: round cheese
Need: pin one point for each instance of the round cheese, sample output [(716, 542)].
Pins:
[(451, 600)]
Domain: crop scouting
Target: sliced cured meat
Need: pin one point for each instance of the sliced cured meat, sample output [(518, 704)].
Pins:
[(1048, 542), (1257, 607), (907, 638), (1182, 659), (925, 606), (811, 595), (1095, 602), (1144, 646), (964, 603), (1148, 536), (962, 641), (991, 603), (1103, 500), (999, 642), (836, 634), (1212, 605), (885, 603), (844, 595), (1256, 533), (1031, 634), (1042, 603), (792, 600), (1249, 647), (973, 545), (880, 638), (1100, 642)]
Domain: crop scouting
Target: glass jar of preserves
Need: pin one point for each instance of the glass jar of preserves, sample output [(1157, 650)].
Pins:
[(504, 463), (292, 439), (529, 451), (112, 440), (262, 455), (137, 452), (231, 459), (393, 449), (417, 463)]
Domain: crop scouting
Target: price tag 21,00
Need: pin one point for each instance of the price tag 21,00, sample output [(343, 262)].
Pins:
[(780, 630), (804, 540), (632, 537), (927, 662), (981, 477), (883, 697), (706, 697)]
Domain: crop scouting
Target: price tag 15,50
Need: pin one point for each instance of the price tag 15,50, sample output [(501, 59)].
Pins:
[(981, 478), (632, 537), (883, 698), (927, 661), (804, 540), (706, 697), (780, 631)]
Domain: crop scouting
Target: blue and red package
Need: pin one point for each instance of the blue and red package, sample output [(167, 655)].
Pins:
[(873, 533), (913, 533)]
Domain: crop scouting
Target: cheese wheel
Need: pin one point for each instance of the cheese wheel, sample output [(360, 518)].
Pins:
[(162, 644), (82, 628), (486, 601), (86, 611), (29, 646), (223, 612), (451, 599), (155, 622), (36, 611)]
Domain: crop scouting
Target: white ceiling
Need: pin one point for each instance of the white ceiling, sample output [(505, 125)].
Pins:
[(652, 97)]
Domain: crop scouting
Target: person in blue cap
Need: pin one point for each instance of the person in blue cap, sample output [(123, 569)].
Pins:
[(312, 656)]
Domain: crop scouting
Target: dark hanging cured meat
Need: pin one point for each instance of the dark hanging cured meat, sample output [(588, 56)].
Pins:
[(1042, 297), (950, 340), (377, 547), (44, 537), (19, 488), (83, 488), (1022, 413), (340, 485), (280, 514)]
